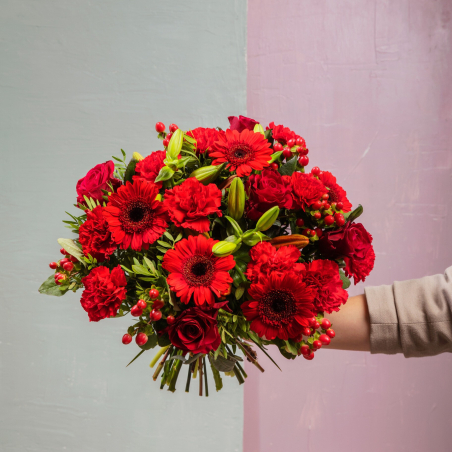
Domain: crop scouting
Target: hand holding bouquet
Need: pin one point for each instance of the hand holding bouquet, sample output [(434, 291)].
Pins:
[(218, 243)]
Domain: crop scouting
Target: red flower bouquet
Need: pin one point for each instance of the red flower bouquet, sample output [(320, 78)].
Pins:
[(219, 244)]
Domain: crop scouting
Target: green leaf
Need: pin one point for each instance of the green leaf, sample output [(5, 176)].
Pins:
[(130, 170), (139, 354), (72, 249), (345, 281), (235, 226), (165, 244), (165, 173), (289, 168), (239, 292), (48, 287), (168, 235), (291, 348), (150, 264), (151, 343), (140, 270), (352, 216)]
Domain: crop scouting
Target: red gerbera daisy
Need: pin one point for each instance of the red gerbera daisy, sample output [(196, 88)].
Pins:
[(194, 270), (280, 306), (336, 192), (135, 217), (243, 151), (205, 137)]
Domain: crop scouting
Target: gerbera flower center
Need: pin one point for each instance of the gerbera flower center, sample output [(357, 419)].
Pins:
[(239, 154), (277, 306), (198, 270), (137, 216)]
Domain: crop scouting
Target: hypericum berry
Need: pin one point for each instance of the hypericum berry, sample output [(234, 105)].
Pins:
[(312, 232), (73, 259), (307, 232), (291, 143), (303, 160), (170, 319), (127, 338), (326, 206), (325, 196), (173, 128), (303, 151), (141, 339), (275, 166), (317, 215), (325, 323), (306, 331), (316, 325), (316, 205), (155, 315), (158, 304), (169, 136), (160, 127), (154, 293), (166, 142), (62, 251), (340, 205), (319, 232), (142, 304), (300, 222), (287, 153), (300, 142), (136, 311), (53, 265), (315, 170), (317, 344), (331, 333), (304, 349), (312, 321), (340, 219), (63, 261), (68, 266), (333, 205), (329, 220), (277, 147), (324, 339), (309, 357)]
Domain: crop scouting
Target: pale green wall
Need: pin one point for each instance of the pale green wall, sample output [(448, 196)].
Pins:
[(78, 81)]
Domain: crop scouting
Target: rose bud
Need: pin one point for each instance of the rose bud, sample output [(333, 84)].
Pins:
[(267, 219), (236, 199)]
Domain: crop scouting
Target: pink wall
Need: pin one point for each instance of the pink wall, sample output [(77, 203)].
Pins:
[(369, 85)]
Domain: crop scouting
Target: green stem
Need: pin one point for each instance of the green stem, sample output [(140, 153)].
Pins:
[(187, 386), (158, 355), (205, 376), (216, 375), (238, 375), (177, 367)]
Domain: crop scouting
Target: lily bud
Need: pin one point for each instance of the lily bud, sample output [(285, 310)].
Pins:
[(259, 128), (298, 240), (175, 145), (207, 174), (267, 219), (223, 249), (137, 156), (236, 199), (252, 238)]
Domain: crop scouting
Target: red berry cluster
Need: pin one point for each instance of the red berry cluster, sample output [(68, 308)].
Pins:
[(64, 267), (160, 128), (293, 146), (322, 337)]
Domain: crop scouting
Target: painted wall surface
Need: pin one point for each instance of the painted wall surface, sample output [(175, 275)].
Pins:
[(78, 81), (368, 84)]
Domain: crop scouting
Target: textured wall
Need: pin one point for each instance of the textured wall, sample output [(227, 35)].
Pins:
[(78, 81), (367, 83)]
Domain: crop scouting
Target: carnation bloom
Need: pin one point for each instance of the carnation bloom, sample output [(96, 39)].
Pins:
[(205, 137), (243, 151), (149, 168), (194, 270), (306, 189), (189, 204), (323, 277), (283, 134), (336, 192), (265, 191), (104, 292), (95, 237), (266, 259), (280, 306), (135, 217)]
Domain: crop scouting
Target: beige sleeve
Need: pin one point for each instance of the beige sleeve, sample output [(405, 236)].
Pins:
[(412, 317)]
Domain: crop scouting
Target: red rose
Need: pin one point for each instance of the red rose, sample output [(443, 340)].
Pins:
[(323, 277), (205, 137), (306, 189), (241, 123), (265, 191), (149, 168), (95, 237), (266, 259), (96, 180), (189, 203), (194, 331), (336, 192), (104, 292), (353, 243)]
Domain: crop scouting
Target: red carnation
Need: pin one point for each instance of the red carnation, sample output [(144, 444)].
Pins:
[(265, 191), (189, 204), (194, 270), (336, 192), (323, 277), (135, 217), (205, 137), (353, 243), (104, 292), (149, 168), (306, 189), (241, 123), (266, 259), (280, 306), (283, 134), (242, 151), (97, 179), (95, 236), (194, 331)]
